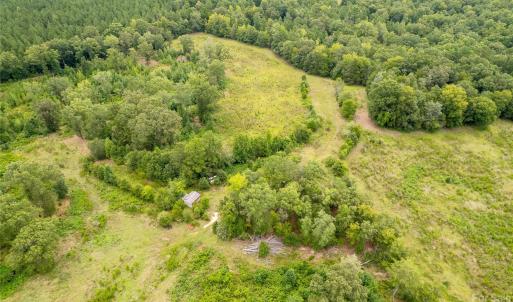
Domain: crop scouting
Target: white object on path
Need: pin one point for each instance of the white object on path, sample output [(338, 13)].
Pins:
[(212, 220)]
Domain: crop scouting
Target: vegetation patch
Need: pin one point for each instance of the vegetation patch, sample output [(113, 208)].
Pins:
[(261, 94)]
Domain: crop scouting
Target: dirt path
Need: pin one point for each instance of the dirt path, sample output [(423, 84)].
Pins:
[(325, 104), (214, 218), (363, 119)]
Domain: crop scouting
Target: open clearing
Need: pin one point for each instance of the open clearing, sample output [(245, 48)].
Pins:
[(262, 93), (452, 191)]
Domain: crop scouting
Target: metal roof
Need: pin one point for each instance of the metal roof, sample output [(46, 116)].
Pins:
[(190, 198)]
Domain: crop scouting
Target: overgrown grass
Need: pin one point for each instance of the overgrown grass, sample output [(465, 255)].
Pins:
[(453, 190), (5, 159), (204, 275), (262, 94)]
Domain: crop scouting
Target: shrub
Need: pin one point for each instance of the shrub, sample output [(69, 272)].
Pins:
[(164, 200), (187, 215), (203, 184), (313, 123), (200, 208), (14, 215), (263, 249), (80, 203), (336, 166), (165, 218), (97, 148), (117, 153), (34, 248), (304, 87), (410, 284), (301, 135), (247, 148), (348, 108), (176, 211), (104, 173), (481, 111), (101, 221), (147, 193), (351, 138)]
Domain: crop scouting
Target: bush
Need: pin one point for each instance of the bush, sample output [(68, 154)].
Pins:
[(348, 108), (313, 123), (34, 248), (101, 221), (304, 87), (200, 208), (351, 139), (410, 284), (301, 135), (247, 148), (104, 173), (14, 215), (165, 218), (164, 199), (203, 184), (97, 148), (263, 249), (481, 111), (147, 193), (79, 203), (336, 166), (187, 215)]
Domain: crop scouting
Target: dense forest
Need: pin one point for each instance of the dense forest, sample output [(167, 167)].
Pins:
[(427, 65), (127, 79)]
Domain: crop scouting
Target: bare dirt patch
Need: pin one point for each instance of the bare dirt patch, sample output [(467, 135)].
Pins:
[(67, 244), (306, 252), (149, 63), (363, 119), (77, 143), (105, 161), (62, 209)]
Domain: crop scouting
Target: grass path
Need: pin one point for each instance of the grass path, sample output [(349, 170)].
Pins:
[(322, 92)]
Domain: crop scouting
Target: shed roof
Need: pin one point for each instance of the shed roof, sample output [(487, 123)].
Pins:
[(190, 198)]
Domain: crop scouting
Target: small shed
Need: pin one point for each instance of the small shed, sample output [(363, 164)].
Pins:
[(191, 198)]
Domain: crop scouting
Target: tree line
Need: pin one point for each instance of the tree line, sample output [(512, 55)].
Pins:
[(404, 53)]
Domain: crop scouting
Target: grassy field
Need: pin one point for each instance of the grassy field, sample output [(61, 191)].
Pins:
[(262, 92), (126, 258), (452, 191)]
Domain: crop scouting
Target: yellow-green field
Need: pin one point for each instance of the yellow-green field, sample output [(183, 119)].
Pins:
[(262, 92), (452, 191)]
